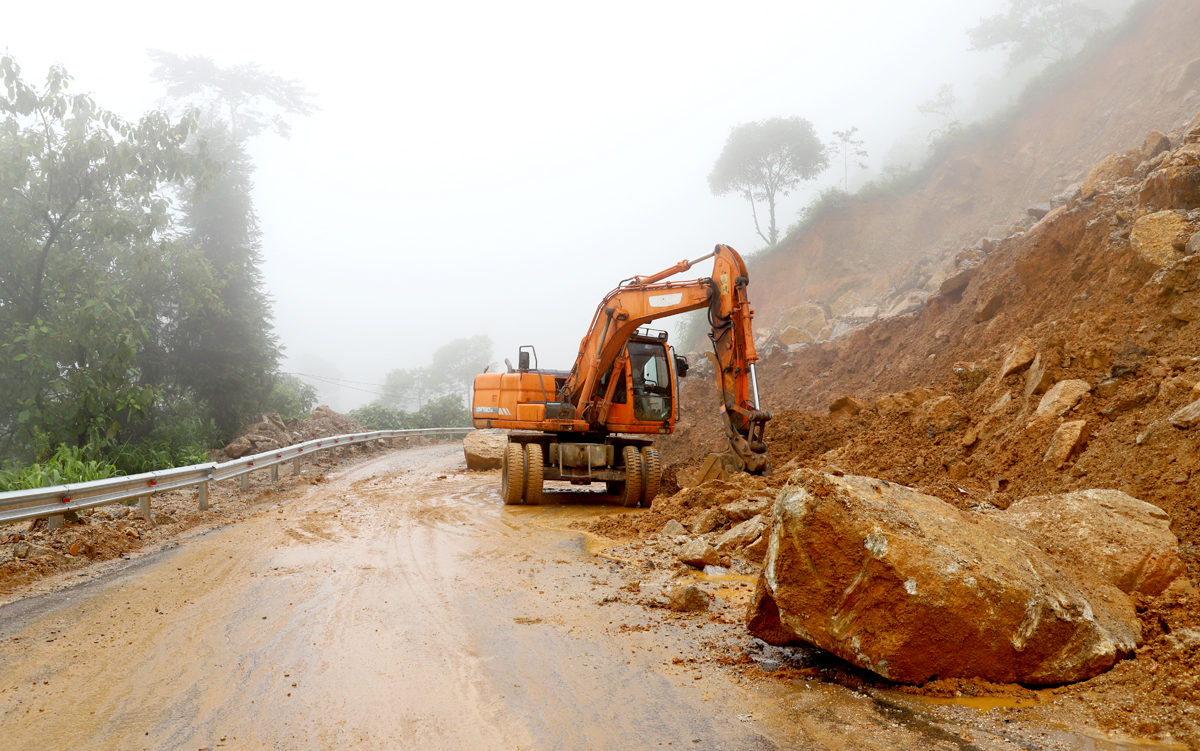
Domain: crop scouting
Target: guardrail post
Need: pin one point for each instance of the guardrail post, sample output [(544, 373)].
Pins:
[(144, 505), (296, 466), (56, 521), (246, 481), (203, 492), (274, 473)]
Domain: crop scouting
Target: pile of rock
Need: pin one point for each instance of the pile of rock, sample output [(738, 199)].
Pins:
[(271, 433), (910, 587)]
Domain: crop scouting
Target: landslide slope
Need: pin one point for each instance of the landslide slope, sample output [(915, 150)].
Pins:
[(1147, 78)]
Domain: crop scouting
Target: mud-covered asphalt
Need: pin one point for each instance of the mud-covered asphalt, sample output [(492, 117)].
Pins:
[(400, 606)]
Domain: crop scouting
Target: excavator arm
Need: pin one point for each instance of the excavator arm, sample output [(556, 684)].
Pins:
[(642, 299)]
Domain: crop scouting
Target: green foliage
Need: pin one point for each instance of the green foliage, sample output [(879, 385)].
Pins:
[(444, 412), (291, 398), (1033, 29), (767, 159), (67, 465), (91, 273)]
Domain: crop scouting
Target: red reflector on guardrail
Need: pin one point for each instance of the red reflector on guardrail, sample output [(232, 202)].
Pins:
[(66, 500)]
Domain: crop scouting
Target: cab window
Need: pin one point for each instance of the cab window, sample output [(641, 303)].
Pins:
[(651, 381)]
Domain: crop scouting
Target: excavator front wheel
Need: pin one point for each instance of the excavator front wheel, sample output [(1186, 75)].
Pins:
[(652, 460), (635, 472), (512, 478), (534, 472)]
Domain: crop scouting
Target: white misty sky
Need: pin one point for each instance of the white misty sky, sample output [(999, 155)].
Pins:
[(496, 168)]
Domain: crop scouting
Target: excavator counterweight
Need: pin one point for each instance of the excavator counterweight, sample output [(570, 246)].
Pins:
[(597, 421)]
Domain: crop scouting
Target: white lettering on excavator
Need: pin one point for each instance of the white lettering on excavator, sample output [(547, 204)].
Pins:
[(662, 301), (487, 410)]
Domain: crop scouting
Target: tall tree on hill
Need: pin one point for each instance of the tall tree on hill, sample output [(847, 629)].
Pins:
[(1033, 29), (232, 354), (765, 160), (847, 152)]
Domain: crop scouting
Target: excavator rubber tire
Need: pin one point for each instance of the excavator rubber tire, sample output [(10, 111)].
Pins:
[(512, 479), (614, 487), (652, 460), (534, 472), (635, 471)]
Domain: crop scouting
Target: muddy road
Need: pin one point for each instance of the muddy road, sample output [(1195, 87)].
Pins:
[(399, 605)]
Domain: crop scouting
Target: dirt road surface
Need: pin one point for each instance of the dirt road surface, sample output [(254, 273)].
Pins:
[(399, 605)]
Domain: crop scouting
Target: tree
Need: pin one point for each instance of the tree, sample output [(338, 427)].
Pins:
[(92, 274), (767, 159), (847, 151), (452, 371), (1032, 29), (941, 108), (235, 353)]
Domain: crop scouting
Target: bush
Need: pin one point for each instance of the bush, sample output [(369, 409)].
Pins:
[(446, 412), (292, 398), (69, 464)]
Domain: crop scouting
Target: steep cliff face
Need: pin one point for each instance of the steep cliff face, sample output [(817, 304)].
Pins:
[(1148, 78)]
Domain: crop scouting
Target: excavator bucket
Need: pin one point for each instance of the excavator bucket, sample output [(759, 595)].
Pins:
[(717, 467)]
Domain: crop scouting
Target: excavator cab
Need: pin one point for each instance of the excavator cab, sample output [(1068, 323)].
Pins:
[(651, 382)]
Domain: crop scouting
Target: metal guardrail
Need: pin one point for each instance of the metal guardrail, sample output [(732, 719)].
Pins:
[(55, 501)]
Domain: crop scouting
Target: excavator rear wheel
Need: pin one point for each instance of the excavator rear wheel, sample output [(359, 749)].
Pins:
[(534, 472), (653, 464), (512, 479), (635, 472)]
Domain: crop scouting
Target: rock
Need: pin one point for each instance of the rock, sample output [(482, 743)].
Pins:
[(1186, 418), (866, 313), (1019, 357), (688, 598), (159, 517), (746, 508), (1138, 399), (1153, 237), (673, 529), (970, 375), (1068, 439), (1111, 168), (891, 403), (809, 317), (1126, 542), (132, 532), (699, 553), (1193, 244), (846, 406), (741, 535), (27, 550), (1155, 144), (911, 302), (239, 448), (792, 335), (1172, 188), (485, 449), (1039, 378), (844, 304), (988, 307), (1037, 211), (939, 415), (906, 585), (708, 520), (954, 285), (1108, 387), (756, 551), (1061, 397)]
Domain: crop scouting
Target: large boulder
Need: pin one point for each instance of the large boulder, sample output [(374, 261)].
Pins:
[(1155, 236), (1111, 168), (910, 587), (1062, 397), (808, 319), (485, 449), (1124, 541)]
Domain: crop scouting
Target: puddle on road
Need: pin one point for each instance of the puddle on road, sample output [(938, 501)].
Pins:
[(982, 703)]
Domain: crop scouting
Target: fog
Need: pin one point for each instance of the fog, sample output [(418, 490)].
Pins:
[(497, 168)]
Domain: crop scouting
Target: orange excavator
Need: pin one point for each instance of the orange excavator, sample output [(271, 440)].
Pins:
[(597, 422)]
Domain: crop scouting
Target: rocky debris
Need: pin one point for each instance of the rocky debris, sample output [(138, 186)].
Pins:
[(1038, 211), (708, 520), (742, 535), (893, 403), (939, 415), (1155, 144), (1021, 356), (699, 553), (29, 551), (1126, 542), (955, 284), (746, 508), (1067, 440), (239, 447), (485, 449), (1172, 188), (845, 304), (970, 375), (271, 433), (804, 323), (1110, 169), (673, 529), (1040, 376), (1062, 397), (688, 598), (1155, 237), (1186, 417), (846, 406), (907, 586)]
